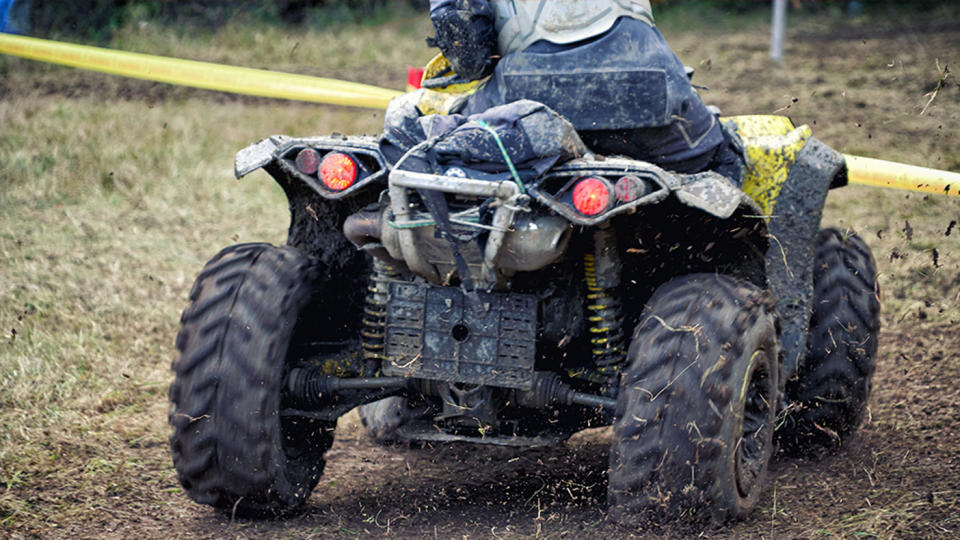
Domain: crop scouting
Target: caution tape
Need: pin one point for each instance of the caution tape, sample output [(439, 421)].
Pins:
[(234, 79), (889, 174)]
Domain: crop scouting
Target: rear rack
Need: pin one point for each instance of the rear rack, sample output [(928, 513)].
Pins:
[(508, 202)]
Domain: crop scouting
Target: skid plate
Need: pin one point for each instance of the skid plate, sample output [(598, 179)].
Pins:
[(442, 333)]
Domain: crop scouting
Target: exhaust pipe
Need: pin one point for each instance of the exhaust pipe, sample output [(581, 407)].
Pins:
[(362, 229), (533, 243)]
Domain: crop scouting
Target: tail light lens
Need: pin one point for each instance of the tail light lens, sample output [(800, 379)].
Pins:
[(591, 196), (629, 188), (308, 161), (338, 171)]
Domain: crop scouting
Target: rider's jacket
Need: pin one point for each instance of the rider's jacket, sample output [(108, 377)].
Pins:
[(601, 64), (520, 23)]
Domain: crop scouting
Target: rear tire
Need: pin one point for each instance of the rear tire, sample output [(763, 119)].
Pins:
[(696, 408), (829, 394), (231, 447)]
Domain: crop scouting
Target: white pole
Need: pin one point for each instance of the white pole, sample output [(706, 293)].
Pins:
[(779, 29)]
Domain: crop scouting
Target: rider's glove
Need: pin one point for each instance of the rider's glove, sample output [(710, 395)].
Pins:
[(465, 35)]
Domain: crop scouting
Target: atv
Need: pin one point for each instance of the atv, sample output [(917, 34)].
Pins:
[(706, 322)]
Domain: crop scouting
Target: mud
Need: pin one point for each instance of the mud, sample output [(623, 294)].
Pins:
[(899, 477)]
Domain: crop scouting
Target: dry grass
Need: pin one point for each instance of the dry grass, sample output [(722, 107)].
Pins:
[(108, 210)]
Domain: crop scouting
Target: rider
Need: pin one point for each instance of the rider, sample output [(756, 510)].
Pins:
[(602, 64)]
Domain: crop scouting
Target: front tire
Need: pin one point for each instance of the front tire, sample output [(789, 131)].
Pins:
[(829, 393), (231, 447), (696, 408)]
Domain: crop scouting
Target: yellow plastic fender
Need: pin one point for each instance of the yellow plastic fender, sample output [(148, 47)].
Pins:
[(771, 145)]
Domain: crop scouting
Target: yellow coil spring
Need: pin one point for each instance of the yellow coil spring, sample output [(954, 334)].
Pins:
[(375, 312), (603, 314)]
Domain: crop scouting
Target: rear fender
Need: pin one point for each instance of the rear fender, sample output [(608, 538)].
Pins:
[(708, 191), (277, 155), (317, 214)]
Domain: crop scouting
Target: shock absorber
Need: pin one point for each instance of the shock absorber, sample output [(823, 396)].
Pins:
[(602, 272), (375, 312)]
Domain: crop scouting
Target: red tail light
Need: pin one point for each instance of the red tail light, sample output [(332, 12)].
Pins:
[(591, 196), (338, 171)]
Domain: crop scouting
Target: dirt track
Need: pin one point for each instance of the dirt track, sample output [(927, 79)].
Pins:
[(900, 477), (904, 465)]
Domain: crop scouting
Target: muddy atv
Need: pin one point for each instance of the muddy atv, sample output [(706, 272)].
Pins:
[(704, 322)]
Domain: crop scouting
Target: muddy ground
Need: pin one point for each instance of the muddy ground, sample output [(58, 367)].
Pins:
[(899, 478), (863, 85)]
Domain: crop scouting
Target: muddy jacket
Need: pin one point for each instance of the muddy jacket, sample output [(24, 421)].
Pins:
[(607, 69), (520, 23), (598, 62)]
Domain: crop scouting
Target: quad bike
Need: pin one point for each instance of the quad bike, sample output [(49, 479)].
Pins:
[(702, 321)]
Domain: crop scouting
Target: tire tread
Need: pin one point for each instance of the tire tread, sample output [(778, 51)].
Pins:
[(669, 444), (833, 382), (227, 440)]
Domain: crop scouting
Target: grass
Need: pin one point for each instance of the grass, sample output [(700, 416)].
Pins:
[(104, 224), (108, 210)]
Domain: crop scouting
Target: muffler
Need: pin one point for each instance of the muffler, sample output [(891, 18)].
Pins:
[(531, 244)]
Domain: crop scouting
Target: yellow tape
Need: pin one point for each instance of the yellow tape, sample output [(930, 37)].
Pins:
[(880, 173), (240, 80)]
